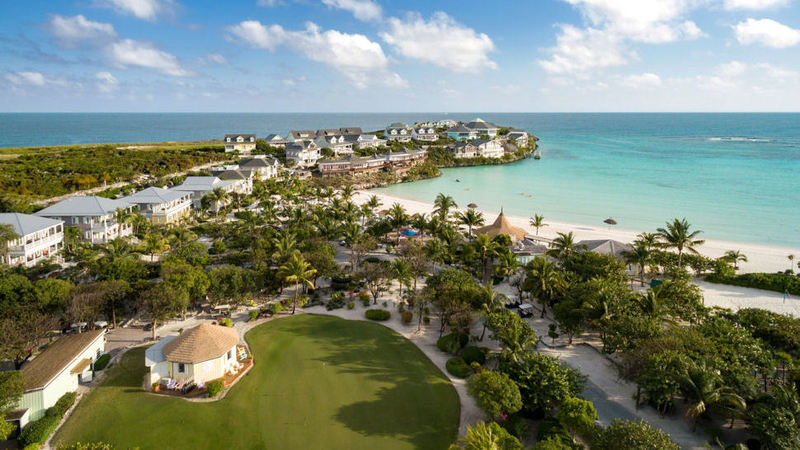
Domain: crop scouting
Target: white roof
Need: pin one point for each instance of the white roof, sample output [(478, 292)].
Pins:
[(154, 195), (80, 205), (155, 353), (202, 184), (25, 224)]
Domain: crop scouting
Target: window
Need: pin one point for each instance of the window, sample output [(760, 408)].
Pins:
[(181, 368), (230, 354)]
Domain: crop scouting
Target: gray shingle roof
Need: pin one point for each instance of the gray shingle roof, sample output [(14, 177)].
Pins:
[(26, 224), (606, 246), (153, 195), (80, 205)]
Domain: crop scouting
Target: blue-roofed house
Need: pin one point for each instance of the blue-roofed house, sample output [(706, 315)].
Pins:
[(38, 239)]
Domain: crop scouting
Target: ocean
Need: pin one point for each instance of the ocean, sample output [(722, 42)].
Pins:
[(734, 176)]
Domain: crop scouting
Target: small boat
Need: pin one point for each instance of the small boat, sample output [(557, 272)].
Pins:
[(537, 154), (458, 180)]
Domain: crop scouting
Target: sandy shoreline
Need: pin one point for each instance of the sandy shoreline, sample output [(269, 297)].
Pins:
[(761, 258)]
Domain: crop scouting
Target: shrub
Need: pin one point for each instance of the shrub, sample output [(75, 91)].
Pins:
[(351, 305), (626, 434), (102, 362), (252, 315), (452, 343), (336, 301), (495, 393), (778, 282), (407, 316), (364, 297), (457, 367), (276, 308), (217, 248), (65, 403), (86, 446), (517, 426), (473, 354), (426, 320), (377, 314), (214, 388), (37, 431), (226, 322)]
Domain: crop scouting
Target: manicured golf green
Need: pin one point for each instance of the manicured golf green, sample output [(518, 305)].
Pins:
[(318, 382)]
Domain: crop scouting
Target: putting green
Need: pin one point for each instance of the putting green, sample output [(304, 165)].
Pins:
[(318, 382)]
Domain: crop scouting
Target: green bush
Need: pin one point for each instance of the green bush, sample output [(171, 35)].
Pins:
[(364, 297), (226, 322), (102, 362), (252, 315), (351, 305), (37, 431), (457, 367), (473, 354), (778, 282), (86, 446), (65, 402), (377, 314), (452, 343), (517, 426), (407, 316), (214, 388), (336, 301), (426, 320)]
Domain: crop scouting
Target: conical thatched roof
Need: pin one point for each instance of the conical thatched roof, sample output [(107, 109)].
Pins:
[(201, 343), (502, 226)]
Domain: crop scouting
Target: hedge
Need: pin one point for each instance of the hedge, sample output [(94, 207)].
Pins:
[(102, 362), (37, 431), (214, 388), (447, 343), (778, 282), (252, 315), (86, 446), (457, 367), (407, 316), (473, 354), (65, 403), (377, 314)]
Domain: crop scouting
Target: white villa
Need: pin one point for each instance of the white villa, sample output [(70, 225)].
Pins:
[(301, 135), (424, 134), (242, 143), (95, 216), (200, 354), (399, 132), (478, 147), (56, 371), (461, 133), (264, 166), (39, 239), (303, 153), (275, 140), (482, 127), (338, 143), (198, 187), (519, 136), (365, 140), (162, 206)]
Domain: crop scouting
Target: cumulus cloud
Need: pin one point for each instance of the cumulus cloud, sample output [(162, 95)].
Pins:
[(440, 41), (128, 52), (640, 81), (578, 52), (26, 78), (766, 32), (106, 82), (364, 10), (754, 4), (212, 58), (356, 57), (142, 9), (71, 31)]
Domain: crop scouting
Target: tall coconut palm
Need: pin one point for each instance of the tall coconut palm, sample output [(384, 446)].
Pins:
[(537, 221), (703, 387), (487, 250), (7, 234), (491, 304), (374, 202), (420, 222), (639, 256), (155, 243), (544, 281), (734, 257), (116, 248), (182, 236), (123, 217), (470, 218), (679, 235), (296, 270), (507, 264), (218, 197), (284, 245), (443, 204), (400, 270), (435, 250), (791, 263), (648, 240), (347, 192), (398, 218), (563, 246), (352, 234)]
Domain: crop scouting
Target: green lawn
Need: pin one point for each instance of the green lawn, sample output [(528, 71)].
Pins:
[(318, 382)]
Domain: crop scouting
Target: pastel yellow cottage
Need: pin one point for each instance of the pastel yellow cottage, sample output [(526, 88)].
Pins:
[(162, 206)]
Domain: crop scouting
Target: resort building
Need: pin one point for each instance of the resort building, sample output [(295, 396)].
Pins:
[(366, 140), (265, 167), (464, 150), (500, 226), (95, 216), (351, 131), (38, 239), (424, 134), (461, 133), (303, 153), (200, 354), (393, 161), (478, 147), (518, 136), (242, 143), (162, 206), (57, 370), (199, 187), (608, 247), (528, 249), (328, 132), (444, 123), (275, 140), (483, 128), (399, 132), (337, 143), (301, 135)]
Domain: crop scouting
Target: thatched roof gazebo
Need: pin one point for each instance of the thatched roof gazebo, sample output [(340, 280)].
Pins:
[(500, 226)]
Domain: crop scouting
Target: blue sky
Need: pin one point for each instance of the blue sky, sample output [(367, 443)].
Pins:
[(391, 55)]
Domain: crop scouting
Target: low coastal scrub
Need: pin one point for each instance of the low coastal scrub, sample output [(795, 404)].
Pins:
[(452, 343), (778, 282), (38, 431), (379, 315), (457, 367)]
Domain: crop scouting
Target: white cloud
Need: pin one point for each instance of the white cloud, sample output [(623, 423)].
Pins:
[(211, 59), (777, 72), (128, 52), (267, 3), (643, 80), (364, 10), (356, 57), (142, 9), (650, 21), (291, 82), (754, 4), (440, 41), (106, 82), (766, 32), (26, 78), (70, 31), (579, 52), (731, 69)]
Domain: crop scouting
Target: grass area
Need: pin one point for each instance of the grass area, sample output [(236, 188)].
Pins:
[(318, 382)]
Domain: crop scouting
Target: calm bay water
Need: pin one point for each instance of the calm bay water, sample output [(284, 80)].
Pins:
[(735, 176)]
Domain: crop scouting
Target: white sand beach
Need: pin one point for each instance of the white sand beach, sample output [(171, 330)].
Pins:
[(761, 258)]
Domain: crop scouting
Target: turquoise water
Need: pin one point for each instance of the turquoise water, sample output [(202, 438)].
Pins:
[(735, 176)]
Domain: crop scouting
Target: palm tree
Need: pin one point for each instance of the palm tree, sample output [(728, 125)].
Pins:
[(347, 192), (182, 236), (400, 270), (285, 245), (7, 234), (420, 222), (435, 250), (296, 270), (487, 249), (218, 197), (470, 218), (116, 248), (537, 222), (443, 204), (122, 217), (398, 218), (735, 256), (563, 246), (648, 240), (703, 387), (507, 264), (374, 202), (791, 263), (491, 304), (352, 234), (155, 243), (678, 235), (639, 256), (544, 281)]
